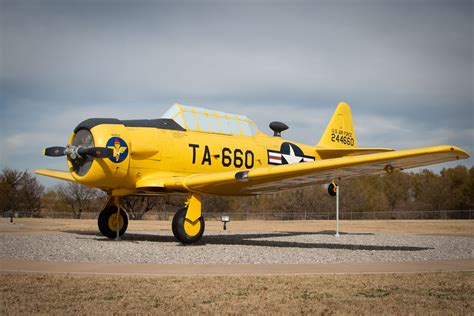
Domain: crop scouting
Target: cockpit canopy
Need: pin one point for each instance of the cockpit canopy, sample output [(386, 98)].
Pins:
[(204, 120)]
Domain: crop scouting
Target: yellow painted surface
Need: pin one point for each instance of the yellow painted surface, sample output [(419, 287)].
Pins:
[(63, 175), (113, 222), (194, 205), (192, 228), (340, 131), (162, 161), (104, 173)]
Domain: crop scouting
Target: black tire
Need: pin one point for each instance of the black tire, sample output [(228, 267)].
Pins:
[(103, 222), (174, 223), (332, 189), (179, 233)]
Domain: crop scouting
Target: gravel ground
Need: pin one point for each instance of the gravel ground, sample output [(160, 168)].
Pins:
[(242, 248)]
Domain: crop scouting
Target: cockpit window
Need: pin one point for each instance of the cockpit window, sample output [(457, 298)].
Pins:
[(204, 120)]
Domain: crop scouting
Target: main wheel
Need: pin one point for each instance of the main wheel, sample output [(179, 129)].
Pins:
[(332, 189), (184, 230), (108, 222)]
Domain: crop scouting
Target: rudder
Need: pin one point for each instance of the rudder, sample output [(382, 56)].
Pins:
[(340, 130)]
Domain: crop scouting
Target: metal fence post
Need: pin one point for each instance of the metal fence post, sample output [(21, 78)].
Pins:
[(337, 210)]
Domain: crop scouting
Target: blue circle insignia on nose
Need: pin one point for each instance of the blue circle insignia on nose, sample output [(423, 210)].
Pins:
[(120, 148)]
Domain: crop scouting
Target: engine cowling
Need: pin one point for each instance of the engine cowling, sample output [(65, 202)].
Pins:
[(105, 173)]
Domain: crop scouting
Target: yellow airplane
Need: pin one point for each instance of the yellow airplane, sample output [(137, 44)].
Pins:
[(198, 151)]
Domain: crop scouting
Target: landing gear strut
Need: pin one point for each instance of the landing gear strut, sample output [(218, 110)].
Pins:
[(188, 224), (333, 190), (108, 224)]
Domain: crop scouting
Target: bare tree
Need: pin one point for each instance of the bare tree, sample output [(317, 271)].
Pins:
[(4, 199), (452, 188), (52, 202), (457, 181), (138, 206), (470, 189), (81, 198), (10, 180), (30, 192), (431, 193), (20, 191)]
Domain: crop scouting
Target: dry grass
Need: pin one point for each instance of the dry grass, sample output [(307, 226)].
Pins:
[(438, 227), (430, 293)]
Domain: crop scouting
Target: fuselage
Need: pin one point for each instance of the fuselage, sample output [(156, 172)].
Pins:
[(142, 149)]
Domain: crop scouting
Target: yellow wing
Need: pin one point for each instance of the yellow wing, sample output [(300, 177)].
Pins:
[(63, 175), (265, 179)]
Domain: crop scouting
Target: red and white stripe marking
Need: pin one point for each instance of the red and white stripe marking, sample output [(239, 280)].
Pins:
[(274, 157)]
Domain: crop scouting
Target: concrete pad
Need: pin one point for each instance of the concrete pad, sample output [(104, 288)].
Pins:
[(14, 266)]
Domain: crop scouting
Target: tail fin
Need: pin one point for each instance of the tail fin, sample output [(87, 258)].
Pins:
[(340, 131)]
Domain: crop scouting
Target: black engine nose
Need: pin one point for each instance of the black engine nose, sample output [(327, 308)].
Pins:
[(84, 139)]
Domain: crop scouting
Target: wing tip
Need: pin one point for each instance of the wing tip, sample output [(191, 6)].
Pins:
[(461, 153)]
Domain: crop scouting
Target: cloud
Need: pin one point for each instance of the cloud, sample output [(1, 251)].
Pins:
[(241, 50), (24, 142), (405, 67)]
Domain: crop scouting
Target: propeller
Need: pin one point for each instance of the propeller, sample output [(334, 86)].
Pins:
[(81, 152)]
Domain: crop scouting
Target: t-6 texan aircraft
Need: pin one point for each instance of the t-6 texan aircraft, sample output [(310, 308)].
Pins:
[(198, 151)]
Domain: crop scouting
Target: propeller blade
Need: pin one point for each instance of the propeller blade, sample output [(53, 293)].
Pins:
[(73, 152), (54, 151), (97, 152)]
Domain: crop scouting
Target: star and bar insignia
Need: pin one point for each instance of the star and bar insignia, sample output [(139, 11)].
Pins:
[(289, 154)]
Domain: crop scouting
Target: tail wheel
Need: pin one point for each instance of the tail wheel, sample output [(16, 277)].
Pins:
[(332, 189), (184, 230), (108, 222)]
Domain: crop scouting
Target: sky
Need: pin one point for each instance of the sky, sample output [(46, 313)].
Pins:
[(404, 66)]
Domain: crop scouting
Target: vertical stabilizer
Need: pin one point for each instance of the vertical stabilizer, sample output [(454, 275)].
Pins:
[(340, 131)]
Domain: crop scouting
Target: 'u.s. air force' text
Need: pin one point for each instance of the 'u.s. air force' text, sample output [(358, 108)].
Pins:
[(237, 157)]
